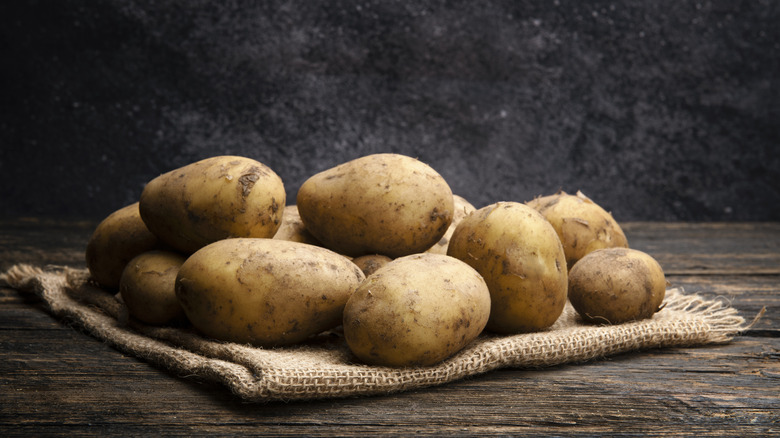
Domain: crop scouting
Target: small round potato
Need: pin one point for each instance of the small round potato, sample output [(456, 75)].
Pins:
[(371, 262), (265, 292), (616, 285), (116, 240), (582, 225), (147, 287), (213, 199), (462, 209), (386, 204), (521, 258), (293, 229), (416, 311)]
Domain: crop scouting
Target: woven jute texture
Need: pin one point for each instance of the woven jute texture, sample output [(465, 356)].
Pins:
[(324, 367)]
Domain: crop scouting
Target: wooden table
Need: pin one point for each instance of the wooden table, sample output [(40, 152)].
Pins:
[(55, 379)]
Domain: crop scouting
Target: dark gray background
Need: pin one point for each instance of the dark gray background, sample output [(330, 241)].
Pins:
[(661, 110)]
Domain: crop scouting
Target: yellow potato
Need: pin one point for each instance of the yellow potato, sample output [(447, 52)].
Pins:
[(378, 204), (293, 229), (616, 285), (415, 311), (147, 287), (462, 209), (265, 292), (213, 199), (371, 262), (521, 258), (582, 225), (116, 240)]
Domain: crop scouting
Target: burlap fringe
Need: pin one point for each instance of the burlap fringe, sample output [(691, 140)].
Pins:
[(324, 367)]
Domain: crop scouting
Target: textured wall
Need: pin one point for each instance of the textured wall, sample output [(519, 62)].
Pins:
[(657, 110)]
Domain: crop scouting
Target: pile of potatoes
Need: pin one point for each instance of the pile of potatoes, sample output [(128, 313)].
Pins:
[(378, 246)]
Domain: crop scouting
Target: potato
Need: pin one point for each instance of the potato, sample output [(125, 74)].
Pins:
[(147, 287), (378, 204), (462, 209), (293, 229), (371, 262), (265, 292), (521, 258), (121, 236), (415, 311), (616, 285), (582, 225), (213, 199)]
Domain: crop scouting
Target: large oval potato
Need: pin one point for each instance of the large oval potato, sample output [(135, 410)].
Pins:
[(213, 199), (616, 285), (415, 311), (148, 289), (265, 292), (118, 238), (582, 225), (462, 209), (385, 204), (521, 258)]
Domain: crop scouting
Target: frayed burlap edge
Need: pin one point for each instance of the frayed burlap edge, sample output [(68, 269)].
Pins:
[(324, 367)]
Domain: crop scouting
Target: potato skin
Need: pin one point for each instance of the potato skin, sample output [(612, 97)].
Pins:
[(522, 261), (616, 285), (416, 311), (118, 238), (582, 225), (213, 199), (462, 209), (370, 263), (265, 292), (386, 204), (147, 287), (293, 229)]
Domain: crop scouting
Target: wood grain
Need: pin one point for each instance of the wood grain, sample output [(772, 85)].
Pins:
[(55, 380)]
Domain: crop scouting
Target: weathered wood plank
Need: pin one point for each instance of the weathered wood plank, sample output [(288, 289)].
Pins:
[(709, 248), (43, 242)]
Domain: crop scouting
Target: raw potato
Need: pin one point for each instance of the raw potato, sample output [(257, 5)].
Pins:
[(582, 225), (147, 287), (378, 204), (616, 285), (213, 199), (265, 292), (462, 209), (416, 311), (121, 236), (371, 262), (293, 229), (521, 258)]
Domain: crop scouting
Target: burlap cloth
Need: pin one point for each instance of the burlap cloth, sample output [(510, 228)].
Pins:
[(324, 367)]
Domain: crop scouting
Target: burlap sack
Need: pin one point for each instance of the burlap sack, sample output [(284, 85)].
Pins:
[(324, 367)]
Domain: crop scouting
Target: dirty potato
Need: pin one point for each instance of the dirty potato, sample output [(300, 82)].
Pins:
[(416, 311), (213, 199), (582, 225), (265, 292), (386, 204), (147, 287), (462, 209), (371, 262), (118, 238), (521, 258), (293, 229), (616, 285)]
